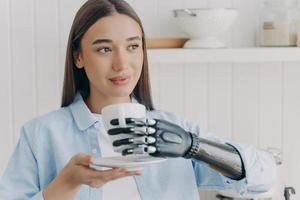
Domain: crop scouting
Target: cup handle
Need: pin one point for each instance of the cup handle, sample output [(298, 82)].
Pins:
[(121, 119)]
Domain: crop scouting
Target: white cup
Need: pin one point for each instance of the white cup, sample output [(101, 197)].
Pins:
[(121, 112)]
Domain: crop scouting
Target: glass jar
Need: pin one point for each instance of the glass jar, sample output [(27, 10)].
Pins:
[(277, 24)]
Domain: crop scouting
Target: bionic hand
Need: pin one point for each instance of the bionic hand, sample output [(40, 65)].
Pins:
[(165, 139)]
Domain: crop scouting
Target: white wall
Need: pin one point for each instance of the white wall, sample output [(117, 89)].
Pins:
[(250, 103), (255, 103)]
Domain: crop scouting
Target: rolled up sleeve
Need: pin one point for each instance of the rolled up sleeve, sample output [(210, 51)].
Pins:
[(260, 168)]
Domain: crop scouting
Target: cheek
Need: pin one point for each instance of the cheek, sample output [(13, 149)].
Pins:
[(95, 73), (139, 62), (93, 62), (96, 66), (138, 69)]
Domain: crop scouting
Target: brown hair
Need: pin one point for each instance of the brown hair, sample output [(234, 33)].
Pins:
[(75, 80)]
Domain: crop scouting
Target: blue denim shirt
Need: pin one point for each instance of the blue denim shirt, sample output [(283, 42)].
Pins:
[(48, 142)]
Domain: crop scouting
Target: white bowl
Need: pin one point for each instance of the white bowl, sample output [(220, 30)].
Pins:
[(204, 25)]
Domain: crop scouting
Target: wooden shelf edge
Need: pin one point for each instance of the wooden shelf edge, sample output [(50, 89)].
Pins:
[(224, 55)]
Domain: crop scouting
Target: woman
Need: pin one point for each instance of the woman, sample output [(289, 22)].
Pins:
[(106, 63)]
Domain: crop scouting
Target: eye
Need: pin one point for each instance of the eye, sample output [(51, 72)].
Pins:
[(104, 50), (133, 47)]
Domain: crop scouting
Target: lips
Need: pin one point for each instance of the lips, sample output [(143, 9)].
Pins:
[(120, 80)]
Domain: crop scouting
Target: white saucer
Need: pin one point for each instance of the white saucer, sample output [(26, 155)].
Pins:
[(130, 163)]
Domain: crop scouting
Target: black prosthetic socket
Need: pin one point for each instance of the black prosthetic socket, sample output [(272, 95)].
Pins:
[(222, 157)]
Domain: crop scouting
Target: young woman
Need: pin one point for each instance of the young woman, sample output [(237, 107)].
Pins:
[(106, 63)]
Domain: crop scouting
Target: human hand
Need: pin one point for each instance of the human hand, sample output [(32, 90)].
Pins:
[(154, 136), (78, 172)]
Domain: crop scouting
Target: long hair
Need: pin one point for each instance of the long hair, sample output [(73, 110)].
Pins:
[(76, 80)]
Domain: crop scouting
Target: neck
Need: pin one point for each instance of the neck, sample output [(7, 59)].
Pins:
[(95, 103)]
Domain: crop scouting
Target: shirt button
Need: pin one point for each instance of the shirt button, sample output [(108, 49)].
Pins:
[(97, 125)]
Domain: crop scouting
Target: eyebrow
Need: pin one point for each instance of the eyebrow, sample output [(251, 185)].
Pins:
[(99, 41)]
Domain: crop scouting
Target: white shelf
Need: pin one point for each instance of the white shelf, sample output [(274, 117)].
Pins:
[(223, 55)]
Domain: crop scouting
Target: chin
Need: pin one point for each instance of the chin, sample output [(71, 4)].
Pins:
[(122, 94), (122, 91)]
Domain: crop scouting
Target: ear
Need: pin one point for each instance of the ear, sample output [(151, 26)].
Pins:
[(78, 60)]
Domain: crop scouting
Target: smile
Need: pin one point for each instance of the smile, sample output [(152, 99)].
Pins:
[(120, 80)]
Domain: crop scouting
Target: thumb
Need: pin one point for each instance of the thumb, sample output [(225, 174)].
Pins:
[(82, 159)]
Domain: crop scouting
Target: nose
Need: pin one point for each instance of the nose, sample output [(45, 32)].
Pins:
[(120, 61)]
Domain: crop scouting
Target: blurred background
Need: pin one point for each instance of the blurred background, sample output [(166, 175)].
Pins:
[(247, 91)]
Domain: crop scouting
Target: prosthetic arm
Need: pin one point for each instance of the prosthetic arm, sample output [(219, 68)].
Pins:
[(164, 139)]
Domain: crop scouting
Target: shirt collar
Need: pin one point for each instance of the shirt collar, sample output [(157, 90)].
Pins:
[(83, 117), (81, 113)]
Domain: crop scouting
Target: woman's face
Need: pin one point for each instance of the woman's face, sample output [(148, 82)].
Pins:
[(112, 55)]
